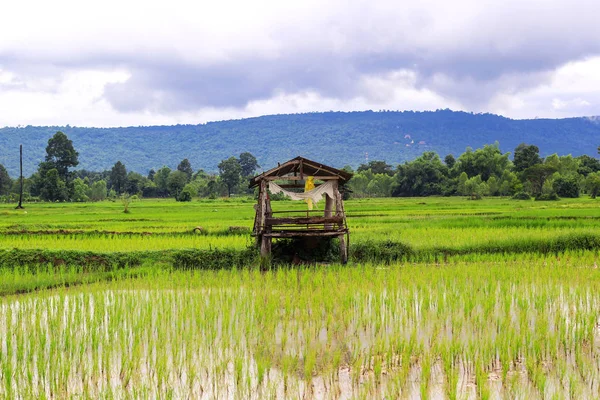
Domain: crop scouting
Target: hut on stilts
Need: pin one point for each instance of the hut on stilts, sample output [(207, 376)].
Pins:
[(316, 180)]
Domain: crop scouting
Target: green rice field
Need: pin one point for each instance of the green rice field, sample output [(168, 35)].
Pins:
[(443, 298)]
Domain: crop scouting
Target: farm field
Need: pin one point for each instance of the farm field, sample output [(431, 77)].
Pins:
[(442, 298)]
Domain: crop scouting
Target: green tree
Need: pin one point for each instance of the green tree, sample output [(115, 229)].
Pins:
[(526, 156), (61, 155), (587, 165), (449, 160), (493, 186), (176, 182), (80, 190), (151, 174), (160, 179), (377, 167), (537, 175), (185, 167), (425, 176), (462, 181), (487, 161), (187, 193), (135, 183), (118, 177), (230, 171), (592, 184), (5, 181), (53, 188), (566, 186), (475, 188), (249, 164), (98, 190)]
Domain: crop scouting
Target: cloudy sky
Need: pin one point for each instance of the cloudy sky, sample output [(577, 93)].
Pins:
[(121, 63)]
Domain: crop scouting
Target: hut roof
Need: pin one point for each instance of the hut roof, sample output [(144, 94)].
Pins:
[(302, 166)]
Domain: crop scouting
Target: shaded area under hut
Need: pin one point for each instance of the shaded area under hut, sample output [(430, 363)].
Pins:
[(310, 181)]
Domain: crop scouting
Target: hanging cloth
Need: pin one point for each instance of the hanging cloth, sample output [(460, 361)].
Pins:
[(315, 195), (308, 186)]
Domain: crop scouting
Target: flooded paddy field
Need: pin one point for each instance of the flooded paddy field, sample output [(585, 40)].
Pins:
[(487, 329)]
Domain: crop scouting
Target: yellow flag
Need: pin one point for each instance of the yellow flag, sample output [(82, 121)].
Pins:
[(309, 184)]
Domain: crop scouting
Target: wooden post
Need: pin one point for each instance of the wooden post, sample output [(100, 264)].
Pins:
[(265, 242), (20, 205), (328, 210), (339, 212)]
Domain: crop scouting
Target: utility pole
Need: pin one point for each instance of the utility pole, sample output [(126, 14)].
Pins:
[(20, 206)]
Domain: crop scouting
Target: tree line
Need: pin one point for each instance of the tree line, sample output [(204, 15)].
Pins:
[(475, 173), (481, 172)]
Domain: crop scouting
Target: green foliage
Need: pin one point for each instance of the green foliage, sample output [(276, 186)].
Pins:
[(161, 180), (230, 170), (521, 196), (376, 167), (424, 176), (98, 191), (537, 175), (526, 156), (80, 190), (248, 163), (187, 193), (126, 200), (5, 181), (185, 167), (52, 187), (487, 161), (566, 186), (547, 197), (118, 177), (592, 184), (61, 155), (176, 182)]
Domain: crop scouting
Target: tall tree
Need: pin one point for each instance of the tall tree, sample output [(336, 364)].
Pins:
[(248, 163), (60, 155), (526, 156), (230, 171), (118, 177), (537, 175), (160, 179), (5, 181), (185, 167), (449, 160), (176, 182)]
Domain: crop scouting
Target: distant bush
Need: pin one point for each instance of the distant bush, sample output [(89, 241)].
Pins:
[(521, 196), (547, 197), (387, 252)]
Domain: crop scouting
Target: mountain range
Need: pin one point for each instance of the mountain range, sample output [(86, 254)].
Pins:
[(334, 138)]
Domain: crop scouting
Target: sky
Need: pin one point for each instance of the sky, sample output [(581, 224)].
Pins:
[(128, 63)]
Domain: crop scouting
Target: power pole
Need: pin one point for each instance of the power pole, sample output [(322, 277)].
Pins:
[(20, 206)]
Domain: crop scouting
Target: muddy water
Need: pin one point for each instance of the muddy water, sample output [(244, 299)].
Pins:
[(125, 344)]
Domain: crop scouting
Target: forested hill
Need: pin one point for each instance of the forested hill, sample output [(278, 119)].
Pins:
[(337, 138)]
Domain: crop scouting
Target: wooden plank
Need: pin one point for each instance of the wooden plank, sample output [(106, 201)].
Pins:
[(304, 220), (301, 234), (295, 211), (297, 178)]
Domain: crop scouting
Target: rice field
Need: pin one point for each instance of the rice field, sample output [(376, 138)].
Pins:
[(494, 317)]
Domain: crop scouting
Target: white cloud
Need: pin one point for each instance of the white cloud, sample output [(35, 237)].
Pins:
[(110, 62)]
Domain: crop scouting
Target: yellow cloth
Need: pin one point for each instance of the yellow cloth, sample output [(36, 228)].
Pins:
[(308, 186)]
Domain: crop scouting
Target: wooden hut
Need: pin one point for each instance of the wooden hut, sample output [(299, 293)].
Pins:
[(293, 174)]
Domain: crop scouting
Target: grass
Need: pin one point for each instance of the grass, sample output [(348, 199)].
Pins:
[(443, 297)]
